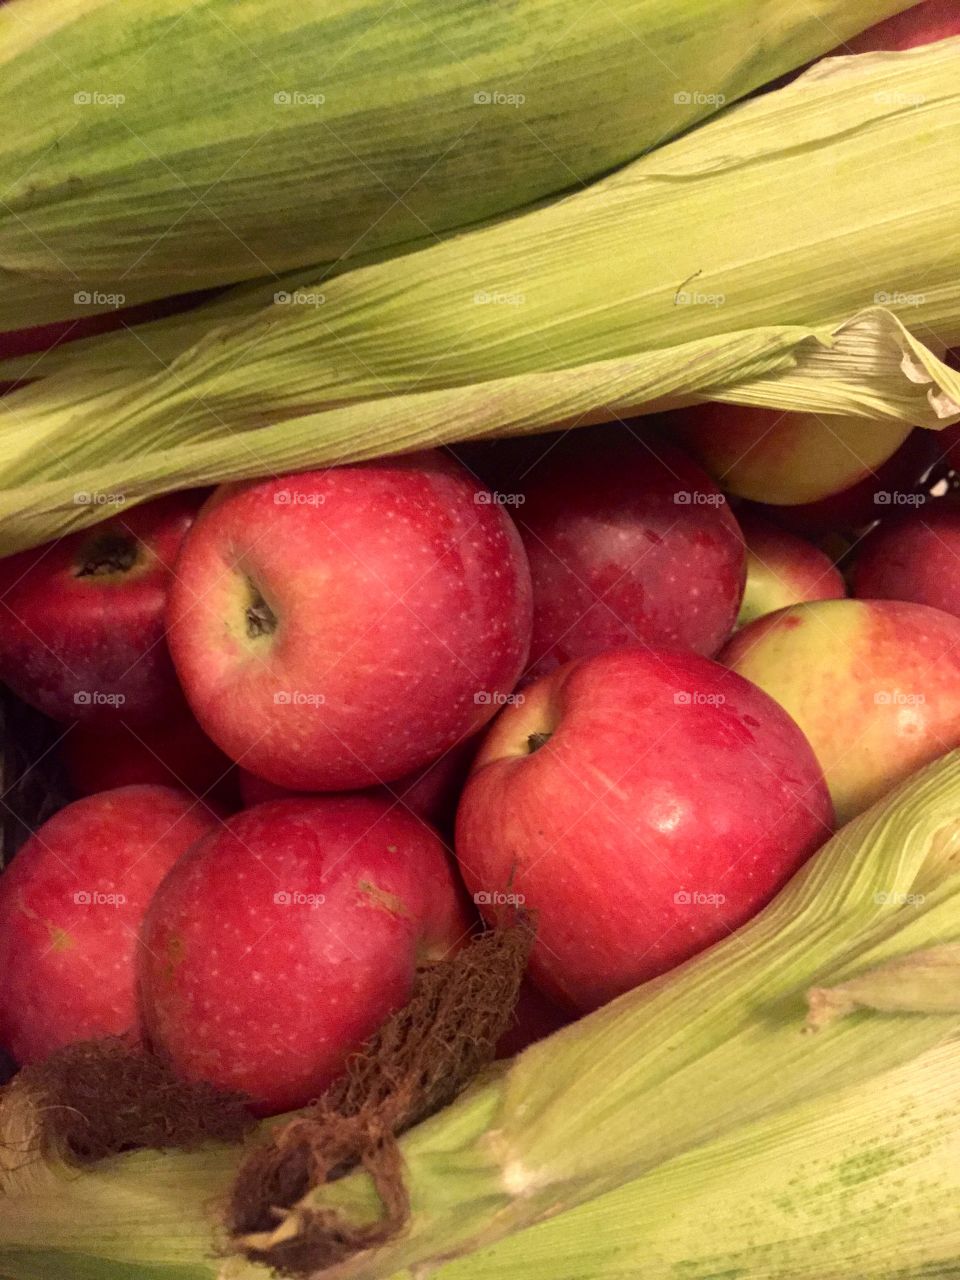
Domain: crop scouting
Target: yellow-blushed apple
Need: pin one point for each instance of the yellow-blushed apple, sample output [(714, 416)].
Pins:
[(785, 458), (874, 685), (783, 569)]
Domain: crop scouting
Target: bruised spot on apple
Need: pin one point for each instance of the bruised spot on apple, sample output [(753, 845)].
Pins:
[(339, 629), (643, 804), (874, 684)]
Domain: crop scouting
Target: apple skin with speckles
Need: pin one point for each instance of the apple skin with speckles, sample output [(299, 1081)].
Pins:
[(82, 619), (341, 628), (71, 902), (629, 542), (644, 804), (874, 684), (279, 944)]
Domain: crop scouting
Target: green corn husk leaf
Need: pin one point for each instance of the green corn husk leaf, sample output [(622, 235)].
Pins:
[(691, 1094), (864, 1183), (693, 1057), (57, 480), (177, 145), (600, 330)]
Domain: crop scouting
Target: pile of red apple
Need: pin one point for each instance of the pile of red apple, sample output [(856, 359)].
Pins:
[(318, 726)]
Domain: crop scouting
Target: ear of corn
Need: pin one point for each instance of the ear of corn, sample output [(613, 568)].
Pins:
[(595, 327), (161, 142), (685, 1089)]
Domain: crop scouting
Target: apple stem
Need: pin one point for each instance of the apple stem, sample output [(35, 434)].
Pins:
[(261, 620)]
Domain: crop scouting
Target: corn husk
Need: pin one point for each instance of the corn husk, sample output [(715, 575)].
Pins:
[(860, 1184), (598, 327), (693, 1087), (181, 145)]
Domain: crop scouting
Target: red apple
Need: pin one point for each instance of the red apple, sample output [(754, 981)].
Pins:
[(431, 793), (644, 805), (71, 902), (913, 557), (629, 542), (783, 569), (875, 686), (342, 628), (896, 482), (921, 24), (276, 946), (174, 753), (82, 619)]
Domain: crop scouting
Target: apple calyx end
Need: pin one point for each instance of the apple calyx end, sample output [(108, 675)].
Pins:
[(259, 617), (107, 553), (537, 740)]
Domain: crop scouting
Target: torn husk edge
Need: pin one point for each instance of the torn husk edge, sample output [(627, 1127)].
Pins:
[(922, 982)]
